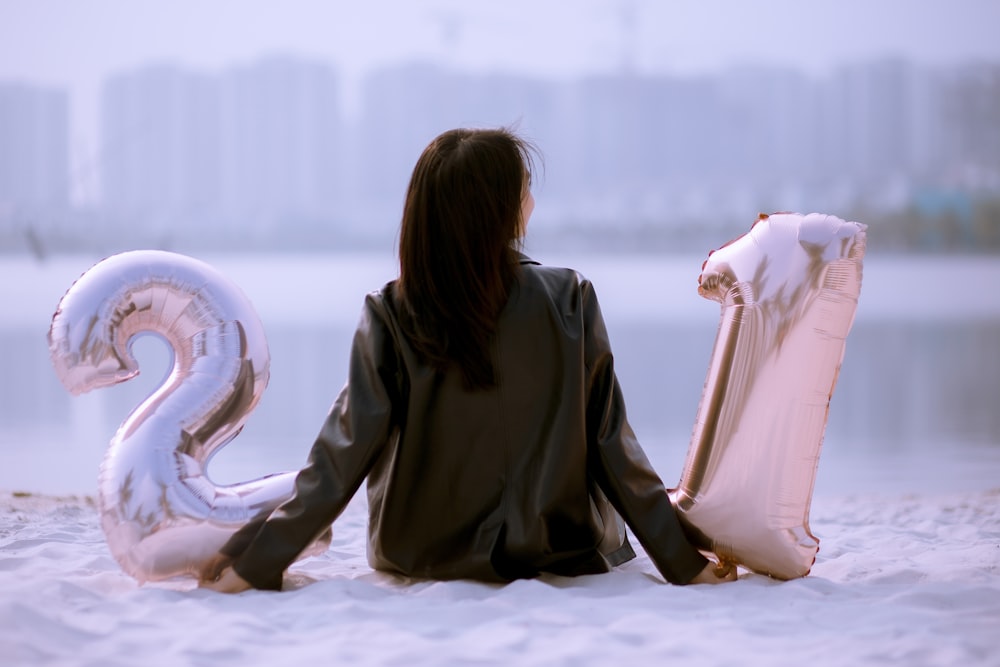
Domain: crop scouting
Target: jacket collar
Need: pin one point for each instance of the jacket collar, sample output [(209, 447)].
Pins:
[(524, 259)]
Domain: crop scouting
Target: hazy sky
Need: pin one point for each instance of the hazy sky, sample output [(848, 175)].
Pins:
[(76, 44), (66, 41)]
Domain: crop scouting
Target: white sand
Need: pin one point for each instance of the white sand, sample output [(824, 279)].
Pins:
[(900, 579)]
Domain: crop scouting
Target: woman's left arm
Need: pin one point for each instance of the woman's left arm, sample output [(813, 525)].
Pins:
[(620, 465)]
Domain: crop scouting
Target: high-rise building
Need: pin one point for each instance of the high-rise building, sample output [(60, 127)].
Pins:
[(249, 155), (405, 107), (282, 144), (970, 106), (34, 160), (161, 151)]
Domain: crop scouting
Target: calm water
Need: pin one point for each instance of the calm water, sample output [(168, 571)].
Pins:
[(919, 389)]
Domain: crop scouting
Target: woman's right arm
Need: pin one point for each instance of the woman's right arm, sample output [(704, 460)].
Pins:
[(359, 425)]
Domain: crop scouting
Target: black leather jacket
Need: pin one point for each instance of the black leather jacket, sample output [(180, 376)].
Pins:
[(494, 484)]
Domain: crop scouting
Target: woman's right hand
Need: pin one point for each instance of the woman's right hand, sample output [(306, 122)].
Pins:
[(227, 582)]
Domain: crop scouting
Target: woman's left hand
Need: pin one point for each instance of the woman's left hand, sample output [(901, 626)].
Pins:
[(227, 582)]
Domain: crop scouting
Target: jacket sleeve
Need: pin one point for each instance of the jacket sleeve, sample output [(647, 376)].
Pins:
[(355, 432), (620, 466)]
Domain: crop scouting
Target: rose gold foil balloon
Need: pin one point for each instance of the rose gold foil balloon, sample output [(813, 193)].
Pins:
[(162, 515), (789, 291)]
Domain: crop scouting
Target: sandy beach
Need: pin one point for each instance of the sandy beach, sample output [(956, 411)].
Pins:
[(908, 571), (902, 578)]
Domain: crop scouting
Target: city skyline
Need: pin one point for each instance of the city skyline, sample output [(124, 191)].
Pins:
[(77, 46), (263, 153)]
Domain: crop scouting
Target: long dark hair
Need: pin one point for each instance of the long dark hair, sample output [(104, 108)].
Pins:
[(458, 246)]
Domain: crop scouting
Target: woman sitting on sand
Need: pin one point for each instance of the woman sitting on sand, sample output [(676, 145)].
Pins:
[(481, 405)]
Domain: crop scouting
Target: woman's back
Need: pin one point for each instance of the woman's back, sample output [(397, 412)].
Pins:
[(493, 483)]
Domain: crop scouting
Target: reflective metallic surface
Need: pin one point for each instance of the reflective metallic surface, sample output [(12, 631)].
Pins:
[(789, 291), (162, 515)]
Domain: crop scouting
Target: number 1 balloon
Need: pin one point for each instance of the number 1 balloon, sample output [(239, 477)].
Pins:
[(789, 291), (162, 516)]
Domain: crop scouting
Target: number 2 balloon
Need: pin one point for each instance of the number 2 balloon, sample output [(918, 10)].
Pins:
[(162, 516), (789, 290)]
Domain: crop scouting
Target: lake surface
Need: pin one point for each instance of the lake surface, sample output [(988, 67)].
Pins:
[(919, 390)]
